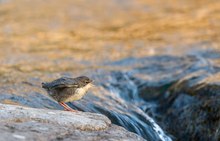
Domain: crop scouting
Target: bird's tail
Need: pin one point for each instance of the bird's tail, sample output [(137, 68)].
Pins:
[(44, 85)]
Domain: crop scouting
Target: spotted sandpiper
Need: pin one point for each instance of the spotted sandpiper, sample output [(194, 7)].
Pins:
[(67, 89)]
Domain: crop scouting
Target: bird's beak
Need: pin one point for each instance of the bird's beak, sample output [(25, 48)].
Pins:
[(92, 83)]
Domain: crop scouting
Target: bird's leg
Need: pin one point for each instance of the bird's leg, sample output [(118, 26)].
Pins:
[(66, 107)]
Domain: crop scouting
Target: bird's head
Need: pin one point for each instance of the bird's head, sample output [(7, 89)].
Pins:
[(84, 80)]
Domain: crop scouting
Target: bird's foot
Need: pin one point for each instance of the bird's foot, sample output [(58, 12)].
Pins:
[(71, 110)]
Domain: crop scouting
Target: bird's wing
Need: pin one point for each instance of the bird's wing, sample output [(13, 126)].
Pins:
[(64, 82)]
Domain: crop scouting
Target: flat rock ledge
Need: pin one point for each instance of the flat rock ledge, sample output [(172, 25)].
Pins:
[(23, 123)]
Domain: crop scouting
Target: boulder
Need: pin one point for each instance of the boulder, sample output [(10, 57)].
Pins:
[(23, 123)]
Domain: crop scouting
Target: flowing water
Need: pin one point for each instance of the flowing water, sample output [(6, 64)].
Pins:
[(119, 100), (130, 97), (117, 94)]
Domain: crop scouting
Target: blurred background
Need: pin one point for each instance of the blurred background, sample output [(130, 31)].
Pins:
[(63, 35), (160, 55)]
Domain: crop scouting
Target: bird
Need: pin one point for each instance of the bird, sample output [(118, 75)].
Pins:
[(67, 89)]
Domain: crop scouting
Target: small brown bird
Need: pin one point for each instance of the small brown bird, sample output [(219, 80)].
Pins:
[(67, 89)]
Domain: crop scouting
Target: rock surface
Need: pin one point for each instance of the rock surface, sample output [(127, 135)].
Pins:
[(193, 108), (22, 123)]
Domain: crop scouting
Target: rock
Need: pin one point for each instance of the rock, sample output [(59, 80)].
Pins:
[(194, 114), (187, 93), (198, 121), (183, 100), (22, 123)]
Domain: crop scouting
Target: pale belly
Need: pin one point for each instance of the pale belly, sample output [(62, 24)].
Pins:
[(79, 93)]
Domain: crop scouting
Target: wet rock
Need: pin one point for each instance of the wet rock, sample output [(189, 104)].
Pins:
[(183, 100), (197, 121), (194, 114), (152, 92), (21, 123), (186, 90)]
